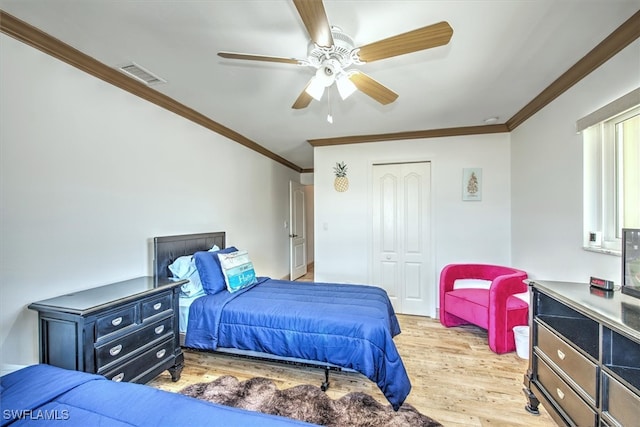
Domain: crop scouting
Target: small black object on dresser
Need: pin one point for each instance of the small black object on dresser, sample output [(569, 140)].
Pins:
[(584, 355), (126, 331)]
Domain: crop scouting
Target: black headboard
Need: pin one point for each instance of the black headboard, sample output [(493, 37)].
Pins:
[(167, 249)]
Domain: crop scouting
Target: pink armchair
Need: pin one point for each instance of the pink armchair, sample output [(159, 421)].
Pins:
[(495, 309)]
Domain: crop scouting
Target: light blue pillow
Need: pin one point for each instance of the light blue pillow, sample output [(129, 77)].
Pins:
[(208, 266), (185, 268), (237, 269)]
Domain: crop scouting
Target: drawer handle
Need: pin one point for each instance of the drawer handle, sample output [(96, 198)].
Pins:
[(118, 377), (114, 351), (157, 306), (160, 354), (560, 393), (561, 355), (159, 329), (116, 321)]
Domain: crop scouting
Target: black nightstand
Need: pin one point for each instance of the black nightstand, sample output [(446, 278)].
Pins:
[(126, 331)]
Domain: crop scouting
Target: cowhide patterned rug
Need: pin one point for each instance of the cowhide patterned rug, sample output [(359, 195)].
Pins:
[(306, 403)]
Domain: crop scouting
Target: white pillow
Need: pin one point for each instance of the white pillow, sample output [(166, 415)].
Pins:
[(238, 270), (471, 283)]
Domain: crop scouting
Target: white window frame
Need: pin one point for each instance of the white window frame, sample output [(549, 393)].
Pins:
[(602, 208)]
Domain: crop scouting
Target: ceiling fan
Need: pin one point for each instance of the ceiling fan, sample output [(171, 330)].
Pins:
[(331, 52)]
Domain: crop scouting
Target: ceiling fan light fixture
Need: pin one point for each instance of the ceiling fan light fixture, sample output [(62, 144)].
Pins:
[(345, 86), (315, 88)]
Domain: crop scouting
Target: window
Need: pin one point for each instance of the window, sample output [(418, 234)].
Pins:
[(611, 174)]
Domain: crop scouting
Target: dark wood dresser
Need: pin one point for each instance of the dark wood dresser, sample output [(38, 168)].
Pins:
[(584, 361), (126, 331)]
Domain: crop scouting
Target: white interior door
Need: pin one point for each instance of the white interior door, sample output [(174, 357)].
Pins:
[(297, 231), (402, 236)]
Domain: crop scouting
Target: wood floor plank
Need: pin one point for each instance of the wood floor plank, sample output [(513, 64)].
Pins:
[(456, 379)]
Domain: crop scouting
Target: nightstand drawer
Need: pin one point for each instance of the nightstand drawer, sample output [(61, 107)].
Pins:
[(576, 408), (620, 403), (117, 349), (157, 305), (574, 364), (115, 321), (136, 367)]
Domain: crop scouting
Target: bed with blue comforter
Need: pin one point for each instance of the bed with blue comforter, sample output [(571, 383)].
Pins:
[(351, 326), (343, 325), (42, 395)]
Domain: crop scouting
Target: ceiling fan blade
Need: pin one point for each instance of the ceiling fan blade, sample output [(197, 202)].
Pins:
[(423, 38), (370, 87), (251, 57), (303, 100), (315, 19)]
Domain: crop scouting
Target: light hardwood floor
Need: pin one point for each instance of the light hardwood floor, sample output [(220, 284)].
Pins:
[(456, 379)]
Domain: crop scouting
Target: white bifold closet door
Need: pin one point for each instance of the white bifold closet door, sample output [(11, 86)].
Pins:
[(402, 236)]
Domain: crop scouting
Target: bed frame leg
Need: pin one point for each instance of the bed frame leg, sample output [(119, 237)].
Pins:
[(325, 384)]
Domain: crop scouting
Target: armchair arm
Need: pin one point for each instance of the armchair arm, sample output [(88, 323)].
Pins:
[(501, 289), (506, 285)]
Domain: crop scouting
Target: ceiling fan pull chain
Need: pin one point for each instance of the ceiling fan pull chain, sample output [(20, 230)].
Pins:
[(329, 116)]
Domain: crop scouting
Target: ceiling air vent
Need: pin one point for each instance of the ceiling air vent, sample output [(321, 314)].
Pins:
[(141, 74)]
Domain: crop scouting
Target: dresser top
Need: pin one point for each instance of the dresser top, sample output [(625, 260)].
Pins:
[(89, 300), (612, 308)]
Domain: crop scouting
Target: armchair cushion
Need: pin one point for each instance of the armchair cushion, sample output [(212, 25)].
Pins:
[(495, 309)]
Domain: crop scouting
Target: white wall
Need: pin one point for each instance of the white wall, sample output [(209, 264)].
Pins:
[(477, 231), (547, 178), (90, 173)]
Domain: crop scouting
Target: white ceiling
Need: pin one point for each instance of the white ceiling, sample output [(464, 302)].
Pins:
[(502, 54)]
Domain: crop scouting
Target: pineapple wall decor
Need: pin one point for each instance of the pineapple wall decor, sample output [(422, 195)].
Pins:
[(341, 183)]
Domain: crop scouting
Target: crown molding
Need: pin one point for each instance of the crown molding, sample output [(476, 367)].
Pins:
[(42, 41), (624, 35), (620, 38), (418, 134)]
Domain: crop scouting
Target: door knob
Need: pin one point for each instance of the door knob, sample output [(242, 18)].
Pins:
[(293, 235)]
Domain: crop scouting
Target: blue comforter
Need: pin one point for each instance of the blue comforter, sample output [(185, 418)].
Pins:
[(351, 326), (42, 395)]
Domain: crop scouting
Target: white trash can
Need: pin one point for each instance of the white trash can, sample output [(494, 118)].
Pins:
[(521, 335)]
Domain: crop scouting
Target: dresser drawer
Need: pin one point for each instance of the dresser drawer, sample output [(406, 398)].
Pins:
[(575, 365), (148, 360), (619, 402), (115, 321), (122, 347), (576, 408), (157, 305)]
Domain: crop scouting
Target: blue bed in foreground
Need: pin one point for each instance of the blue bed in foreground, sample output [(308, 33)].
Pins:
[(41, 395)]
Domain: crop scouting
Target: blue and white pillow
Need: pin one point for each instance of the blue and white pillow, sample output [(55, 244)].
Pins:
[(237, 269)]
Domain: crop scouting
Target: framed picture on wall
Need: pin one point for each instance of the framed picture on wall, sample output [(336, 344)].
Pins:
[(472, 184)]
